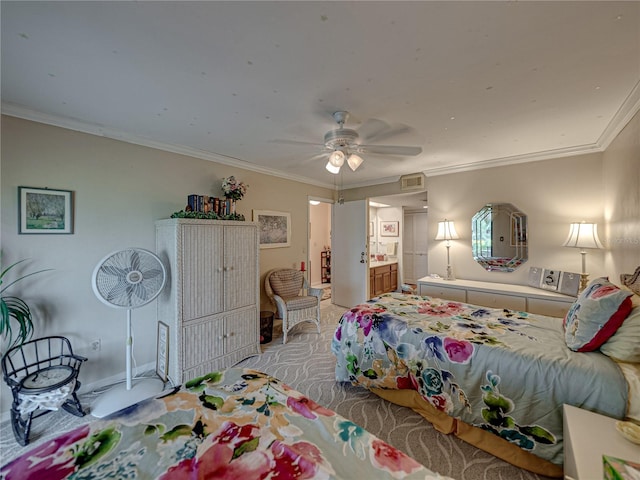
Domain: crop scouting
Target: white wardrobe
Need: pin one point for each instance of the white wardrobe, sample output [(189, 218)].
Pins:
[(211, 301)]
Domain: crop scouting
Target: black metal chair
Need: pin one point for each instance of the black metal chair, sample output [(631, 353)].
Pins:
[(43, 375)]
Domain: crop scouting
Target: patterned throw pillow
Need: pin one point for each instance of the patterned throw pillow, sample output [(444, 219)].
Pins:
[(596, 315), (624, 345)]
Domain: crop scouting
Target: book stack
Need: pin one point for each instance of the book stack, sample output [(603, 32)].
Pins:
[(207, 204)]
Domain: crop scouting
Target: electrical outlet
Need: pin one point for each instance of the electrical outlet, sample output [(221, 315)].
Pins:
[(96, 345)]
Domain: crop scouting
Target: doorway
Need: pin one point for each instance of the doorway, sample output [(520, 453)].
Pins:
[(319, 247), (411, 246)]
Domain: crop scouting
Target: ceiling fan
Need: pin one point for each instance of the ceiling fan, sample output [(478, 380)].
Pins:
[(343, 144)]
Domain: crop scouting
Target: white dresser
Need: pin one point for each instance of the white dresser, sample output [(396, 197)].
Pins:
[(497, 295), (212, 301)]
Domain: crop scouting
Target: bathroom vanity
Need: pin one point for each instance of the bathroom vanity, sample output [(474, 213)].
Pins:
[(383, 277)]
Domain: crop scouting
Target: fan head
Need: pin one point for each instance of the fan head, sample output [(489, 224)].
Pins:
[(128, 278)]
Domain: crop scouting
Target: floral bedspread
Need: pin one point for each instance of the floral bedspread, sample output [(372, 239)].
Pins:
[(504, 371), (233, 424)]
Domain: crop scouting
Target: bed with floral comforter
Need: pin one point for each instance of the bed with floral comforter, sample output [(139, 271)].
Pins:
[(496, 378), (233, 424)]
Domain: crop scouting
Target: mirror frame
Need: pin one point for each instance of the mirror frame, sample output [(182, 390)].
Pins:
[(516, 232)]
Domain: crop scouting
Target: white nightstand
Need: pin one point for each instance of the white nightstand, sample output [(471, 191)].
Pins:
[(588, 436)]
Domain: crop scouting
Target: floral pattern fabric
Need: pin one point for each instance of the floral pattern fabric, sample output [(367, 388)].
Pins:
[(504, 371), (233, 424)]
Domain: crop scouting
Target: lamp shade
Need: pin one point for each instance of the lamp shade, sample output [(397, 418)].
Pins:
[(332, 168), (336, 158), (583, 235), (446, 231), (354, 161)]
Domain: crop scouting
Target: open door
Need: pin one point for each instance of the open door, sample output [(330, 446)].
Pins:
[(350, 253)]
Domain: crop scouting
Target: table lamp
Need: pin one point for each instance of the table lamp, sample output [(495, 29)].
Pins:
[(447, 231), (583, 235)]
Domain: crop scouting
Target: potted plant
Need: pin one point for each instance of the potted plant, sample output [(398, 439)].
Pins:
[(16, 321)]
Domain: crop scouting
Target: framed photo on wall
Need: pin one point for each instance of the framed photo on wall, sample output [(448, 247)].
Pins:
[(389, 229), (44, 211), (274, 228)]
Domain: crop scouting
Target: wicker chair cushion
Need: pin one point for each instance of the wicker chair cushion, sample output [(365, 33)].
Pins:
[(286, 283), (298, 303)]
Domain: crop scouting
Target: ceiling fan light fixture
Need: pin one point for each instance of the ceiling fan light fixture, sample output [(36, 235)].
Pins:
[(332, 168), (336, 158), (354, 161)]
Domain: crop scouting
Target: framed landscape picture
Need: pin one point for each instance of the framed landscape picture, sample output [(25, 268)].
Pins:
[(45, 211), (274, 228), (389, 229)]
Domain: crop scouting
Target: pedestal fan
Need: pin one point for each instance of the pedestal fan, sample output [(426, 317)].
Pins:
[(128, 279)]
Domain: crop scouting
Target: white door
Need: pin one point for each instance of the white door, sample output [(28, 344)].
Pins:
[(349, 253), (414, 247)]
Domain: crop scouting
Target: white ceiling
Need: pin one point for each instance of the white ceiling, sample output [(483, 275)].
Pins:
[(477, 83)]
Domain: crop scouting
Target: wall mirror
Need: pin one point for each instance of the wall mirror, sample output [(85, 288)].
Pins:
[(499, 237)]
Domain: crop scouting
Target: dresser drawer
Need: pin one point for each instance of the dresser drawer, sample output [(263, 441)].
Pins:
[(549, 308), (497, 300), (454, 294)]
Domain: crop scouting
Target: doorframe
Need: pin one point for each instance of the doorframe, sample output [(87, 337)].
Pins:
[(330, 201)]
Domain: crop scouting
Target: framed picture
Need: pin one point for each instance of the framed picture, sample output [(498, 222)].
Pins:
[(162, 352), (371, 230), (389, 229), (274, 228), (44, 210)]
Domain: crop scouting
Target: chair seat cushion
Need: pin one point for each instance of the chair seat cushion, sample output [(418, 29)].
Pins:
[(298, 303), (47, 400)]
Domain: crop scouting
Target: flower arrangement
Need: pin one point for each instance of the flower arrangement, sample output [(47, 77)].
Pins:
[(233, 189)]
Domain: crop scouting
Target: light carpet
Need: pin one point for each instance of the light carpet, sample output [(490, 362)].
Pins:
[(306, 364)]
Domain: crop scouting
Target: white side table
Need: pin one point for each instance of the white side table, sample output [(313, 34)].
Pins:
[(587, 437)]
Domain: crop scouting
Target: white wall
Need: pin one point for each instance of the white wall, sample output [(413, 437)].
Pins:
[(602, 187), (553, 193), (120, 190), (621, 178)]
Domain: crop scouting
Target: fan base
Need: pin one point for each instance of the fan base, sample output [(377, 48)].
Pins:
[(119, 397)]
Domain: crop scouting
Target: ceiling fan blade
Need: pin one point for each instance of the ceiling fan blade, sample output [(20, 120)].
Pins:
[(307, 161), (375, 130), (295, 142), (389, 150)]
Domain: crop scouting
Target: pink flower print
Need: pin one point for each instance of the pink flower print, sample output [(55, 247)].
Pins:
[(440, 310), (458, 351), (52, 460), (306, 407), (391, 459), (297, 461)]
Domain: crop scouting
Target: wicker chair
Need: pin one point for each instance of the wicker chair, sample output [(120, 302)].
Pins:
[(295, 300), (43, 375)]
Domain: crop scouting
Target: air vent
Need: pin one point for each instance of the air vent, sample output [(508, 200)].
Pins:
[(412, 182)]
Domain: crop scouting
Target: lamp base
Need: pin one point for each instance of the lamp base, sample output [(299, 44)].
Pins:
[(449, 275), (584, 281)]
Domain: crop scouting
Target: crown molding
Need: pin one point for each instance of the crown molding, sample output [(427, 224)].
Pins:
[(622, 117), (102, 131), (514, 160)]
